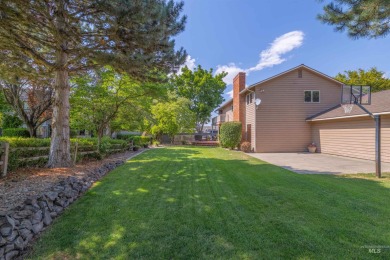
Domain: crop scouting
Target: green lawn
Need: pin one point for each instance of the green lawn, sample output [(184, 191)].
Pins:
[(191, 203)]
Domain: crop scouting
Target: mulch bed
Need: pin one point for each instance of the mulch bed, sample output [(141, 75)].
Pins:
[(22, 183)]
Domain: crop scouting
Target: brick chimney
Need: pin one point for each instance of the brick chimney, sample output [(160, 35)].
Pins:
[(239, 101)]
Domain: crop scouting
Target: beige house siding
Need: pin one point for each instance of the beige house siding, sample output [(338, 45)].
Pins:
[(281, 118), (354, 137), (385, 134), (228, 112), (250, 119)]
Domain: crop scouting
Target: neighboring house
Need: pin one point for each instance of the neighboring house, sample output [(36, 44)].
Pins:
[(301, 106), (44, 130)]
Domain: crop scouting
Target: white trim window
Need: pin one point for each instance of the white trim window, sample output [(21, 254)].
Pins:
[(249, 98), (312, 96)]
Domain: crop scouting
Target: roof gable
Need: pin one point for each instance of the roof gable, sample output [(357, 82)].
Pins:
[(302, 66)]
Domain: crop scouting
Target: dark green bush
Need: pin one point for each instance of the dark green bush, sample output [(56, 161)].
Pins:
[(136, 140), (73, 133), (16, 132), (230, 134), (11, 121), (146, 139), (127, 137)]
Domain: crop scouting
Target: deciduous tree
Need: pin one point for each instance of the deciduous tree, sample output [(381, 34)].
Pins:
[(173, 116), (373, 77), (98, 97), (32, 103), (362, 18), (72, 36), (203, 89)]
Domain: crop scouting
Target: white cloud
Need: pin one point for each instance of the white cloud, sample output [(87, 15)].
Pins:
[(190, 63), (268, 57), (281, 45), (232, 71)]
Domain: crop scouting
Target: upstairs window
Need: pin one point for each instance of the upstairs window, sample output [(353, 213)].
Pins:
[(312, 96), (249, 98)]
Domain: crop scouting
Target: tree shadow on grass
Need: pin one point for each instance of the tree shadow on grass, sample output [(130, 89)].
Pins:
[(194, 203)]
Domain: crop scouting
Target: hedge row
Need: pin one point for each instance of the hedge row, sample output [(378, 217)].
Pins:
[(24, 150), (137, 139), (16, 132)]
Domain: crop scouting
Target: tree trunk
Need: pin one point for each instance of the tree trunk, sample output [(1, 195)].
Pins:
[(99, 136), (32, 130), (60, 137), (202, 125)]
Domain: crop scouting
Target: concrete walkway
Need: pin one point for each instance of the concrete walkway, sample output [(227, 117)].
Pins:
[(316, 163)]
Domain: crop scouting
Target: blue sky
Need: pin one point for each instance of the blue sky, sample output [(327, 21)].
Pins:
[(266, 37)]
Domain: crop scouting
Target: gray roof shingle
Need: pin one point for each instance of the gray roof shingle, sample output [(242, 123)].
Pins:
[(380, 103)]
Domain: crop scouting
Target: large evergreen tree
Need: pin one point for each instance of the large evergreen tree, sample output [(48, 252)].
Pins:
[(71, 36), (362, 18)]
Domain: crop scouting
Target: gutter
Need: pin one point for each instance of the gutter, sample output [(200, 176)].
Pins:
[(343, 117)]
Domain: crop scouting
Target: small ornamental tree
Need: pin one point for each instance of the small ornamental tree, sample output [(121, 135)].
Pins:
[(230, 134)]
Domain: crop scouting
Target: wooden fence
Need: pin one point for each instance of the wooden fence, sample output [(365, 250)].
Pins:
[(76, 150), (4, 149)]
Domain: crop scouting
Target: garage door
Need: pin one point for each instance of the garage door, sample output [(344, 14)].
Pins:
[(350, 137)]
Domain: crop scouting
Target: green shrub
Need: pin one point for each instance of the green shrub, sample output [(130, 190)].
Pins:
[(137, 139), (26, 142), (23, 154), (16, 132), (73, 133), (230, 134), (11, 121), (127, 137), (146, 139)]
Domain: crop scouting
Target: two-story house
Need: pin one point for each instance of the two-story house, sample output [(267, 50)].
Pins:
[(301, 106)]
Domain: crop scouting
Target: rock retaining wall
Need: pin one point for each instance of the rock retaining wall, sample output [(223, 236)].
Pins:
[(20, 225)]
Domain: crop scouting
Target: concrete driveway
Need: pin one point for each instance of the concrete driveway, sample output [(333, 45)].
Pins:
[(316, 163)]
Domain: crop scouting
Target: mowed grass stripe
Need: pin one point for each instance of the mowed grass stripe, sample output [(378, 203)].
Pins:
[(197, 203)]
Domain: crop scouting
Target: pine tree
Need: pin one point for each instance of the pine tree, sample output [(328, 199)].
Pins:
[(362, 18), (70, 36)]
